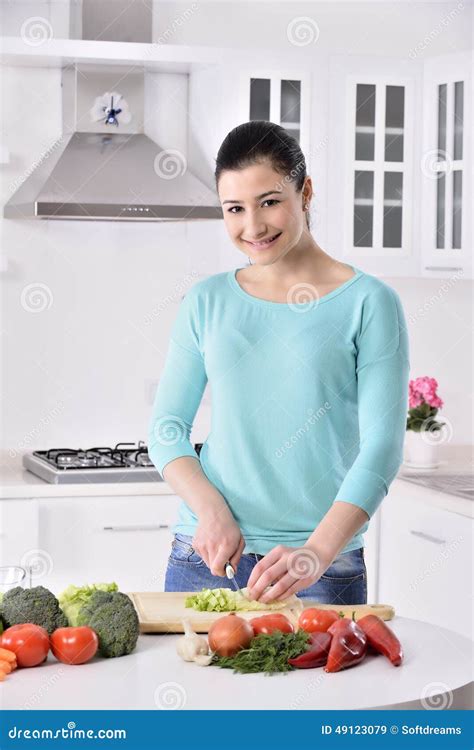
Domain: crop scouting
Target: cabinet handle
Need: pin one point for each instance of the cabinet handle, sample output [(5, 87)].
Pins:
[(442, 268), (149, 527), (428, 537)]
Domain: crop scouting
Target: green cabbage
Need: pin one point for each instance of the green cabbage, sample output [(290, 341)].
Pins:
[(73, 598)]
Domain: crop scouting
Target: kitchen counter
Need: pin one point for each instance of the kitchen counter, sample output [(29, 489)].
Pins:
[(17, 482), (154, 677)]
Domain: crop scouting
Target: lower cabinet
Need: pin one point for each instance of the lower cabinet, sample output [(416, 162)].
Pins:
[(425, 560), (371, 552), (100, 539), (19, 541)]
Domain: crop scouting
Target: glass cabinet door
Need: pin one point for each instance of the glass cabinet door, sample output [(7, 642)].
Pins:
[(449, 165), (378, 166), (278, 99), (446, 151)]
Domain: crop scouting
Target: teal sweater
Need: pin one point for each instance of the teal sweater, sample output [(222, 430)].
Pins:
[(309, 403)]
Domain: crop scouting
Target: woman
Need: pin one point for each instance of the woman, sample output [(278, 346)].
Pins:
[(307, 358)]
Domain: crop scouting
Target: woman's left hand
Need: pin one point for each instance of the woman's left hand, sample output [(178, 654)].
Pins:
[(291, 569)]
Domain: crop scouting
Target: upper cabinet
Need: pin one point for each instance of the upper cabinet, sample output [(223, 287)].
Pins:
[(446, 154), (379, 185), (398, 187), (373, 107), (282, 97)]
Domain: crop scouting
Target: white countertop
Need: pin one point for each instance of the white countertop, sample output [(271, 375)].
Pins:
[(18, 482), (155, 677)]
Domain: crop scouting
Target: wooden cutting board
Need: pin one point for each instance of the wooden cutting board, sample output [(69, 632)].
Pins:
[(163, 612)]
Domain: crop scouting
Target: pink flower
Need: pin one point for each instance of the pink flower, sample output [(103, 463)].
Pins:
[(423, 390)]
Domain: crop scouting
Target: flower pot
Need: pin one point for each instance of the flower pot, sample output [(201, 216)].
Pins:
[(420, 449)]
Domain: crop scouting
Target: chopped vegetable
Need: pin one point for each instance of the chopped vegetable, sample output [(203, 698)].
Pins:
[(382, 638), (267, 653), (230, 634), (74, 597), (191, 645), (228, 600), (348, 645), (36, 605), (317, 654)]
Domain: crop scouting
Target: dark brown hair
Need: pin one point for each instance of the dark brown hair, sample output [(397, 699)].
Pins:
[(256, 141)]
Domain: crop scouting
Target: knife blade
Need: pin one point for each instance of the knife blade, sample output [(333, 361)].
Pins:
[(230, 573)]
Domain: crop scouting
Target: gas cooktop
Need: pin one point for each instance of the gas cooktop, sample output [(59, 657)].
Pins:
[(127, 462)]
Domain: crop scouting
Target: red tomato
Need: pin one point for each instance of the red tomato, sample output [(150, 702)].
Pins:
[(270, 623), (29, 642), (74, 645), (317, 620)]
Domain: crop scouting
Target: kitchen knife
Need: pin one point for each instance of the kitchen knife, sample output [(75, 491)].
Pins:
[(230, 573)]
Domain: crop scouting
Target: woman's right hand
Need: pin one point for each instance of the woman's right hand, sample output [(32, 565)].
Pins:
[(218, 539)]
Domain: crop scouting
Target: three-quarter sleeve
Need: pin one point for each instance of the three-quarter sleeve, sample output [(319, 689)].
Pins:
[(180, 388), (382, 371)]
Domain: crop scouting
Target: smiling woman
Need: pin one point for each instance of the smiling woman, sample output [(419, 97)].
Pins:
[(308, 363)]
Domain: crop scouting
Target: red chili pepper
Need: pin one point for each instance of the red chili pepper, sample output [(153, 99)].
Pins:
[(382, 638), (348, 645), (317, 654)]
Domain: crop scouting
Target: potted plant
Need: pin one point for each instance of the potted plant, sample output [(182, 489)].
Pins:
[(424, 432)]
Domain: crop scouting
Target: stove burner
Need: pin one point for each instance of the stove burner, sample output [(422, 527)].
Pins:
[(123, 455), (126, 462)]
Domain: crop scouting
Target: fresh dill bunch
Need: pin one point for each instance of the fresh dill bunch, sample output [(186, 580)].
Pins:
[(268, 652)]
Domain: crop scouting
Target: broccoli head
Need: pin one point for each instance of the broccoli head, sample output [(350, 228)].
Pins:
[(37, 605), (113, 617)]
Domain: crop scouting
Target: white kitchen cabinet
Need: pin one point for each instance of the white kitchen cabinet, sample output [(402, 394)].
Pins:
[(371, 557), (373, 111), (19, 536), (446, 178), (91, 539), (280, 96), (425, 561)]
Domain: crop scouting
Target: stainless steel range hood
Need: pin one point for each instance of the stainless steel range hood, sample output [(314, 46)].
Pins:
[(110, 176)]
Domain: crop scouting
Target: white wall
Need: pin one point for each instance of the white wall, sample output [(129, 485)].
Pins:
[(81, 372)]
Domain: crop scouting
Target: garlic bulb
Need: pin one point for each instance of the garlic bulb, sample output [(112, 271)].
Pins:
[(191, 644), (203, 659)]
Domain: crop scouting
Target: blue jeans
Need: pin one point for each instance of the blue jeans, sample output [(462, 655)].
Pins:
[(344, 582)]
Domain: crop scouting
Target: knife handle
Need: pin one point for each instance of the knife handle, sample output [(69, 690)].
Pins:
[(229, 570)]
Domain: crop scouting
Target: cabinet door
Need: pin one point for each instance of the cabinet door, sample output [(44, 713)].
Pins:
[(426, 561), (19, 540), (122, 539), (379, 177), (371, 556), (446, 179), (282, 97), (373, 115)]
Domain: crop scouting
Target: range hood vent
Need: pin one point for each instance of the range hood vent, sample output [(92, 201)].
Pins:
[(110, 176), (105, 165)]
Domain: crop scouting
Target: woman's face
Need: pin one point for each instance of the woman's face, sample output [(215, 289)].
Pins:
[(260, 204)]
